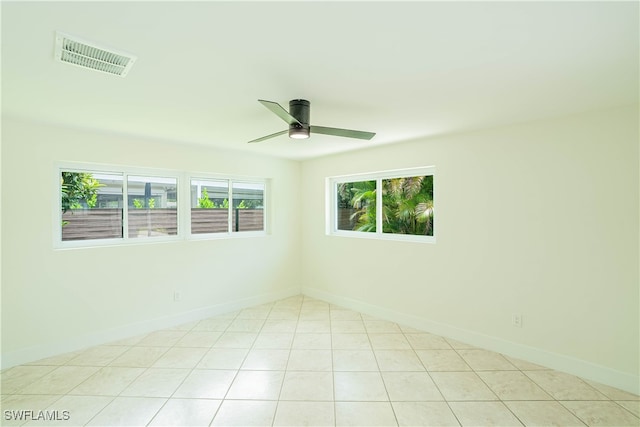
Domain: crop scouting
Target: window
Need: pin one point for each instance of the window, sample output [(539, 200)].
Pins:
[(106, 206), (248, 206), (356, 202), (224, 206), (102, 205), (152, 205), (407, 205), (91, 205), (209, 206), (397, 205)]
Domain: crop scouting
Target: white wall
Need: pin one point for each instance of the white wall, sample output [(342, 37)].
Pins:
[(60, 300), (539, 219)]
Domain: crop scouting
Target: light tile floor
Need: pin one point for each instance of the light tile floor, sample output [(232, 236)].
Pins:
[(297, 362)]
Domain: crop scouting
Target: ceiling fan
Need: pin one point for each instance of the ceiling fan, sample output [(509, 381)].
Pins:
[(298, 120)]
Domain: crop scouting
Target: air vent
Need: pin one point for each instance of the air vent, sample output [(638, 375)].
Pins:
[(88, 55)]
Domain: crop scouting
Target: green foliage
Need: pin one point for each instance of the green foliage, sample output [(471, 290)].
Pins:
[(77, 187), (139, 204), (250, 204), (205, 202), (407, 204), (362, 197), (91, 201)]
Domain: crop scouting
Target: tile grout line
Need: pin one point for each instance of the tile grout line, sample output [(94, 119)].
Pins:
[(186, 376), (68, 363), (626, 409), (432, 380), (146, 370), (384, 384), (333, 375), (284, 377), (490, 388), (244, 359)]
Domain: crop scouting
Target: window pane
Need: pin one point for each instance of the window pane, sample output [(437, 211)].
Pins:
[(407, 205), (248, 206), (209, 206), (152, 203), (356, 202), (91, 205)]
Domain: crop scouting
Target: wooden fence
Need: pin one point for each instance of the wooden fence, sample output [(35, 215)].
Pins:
[(209, 221), (153, 222), (92, 224), (216, 220), (248, 220), (344, 218), (107, 223)]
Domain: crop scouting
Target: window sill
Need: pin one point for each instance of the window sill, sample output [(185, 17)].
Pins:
[(383, 236)]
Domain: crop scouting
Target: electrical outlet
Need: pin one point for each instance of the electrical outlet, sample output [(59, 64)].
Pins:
[(177, 296), (516, 320)]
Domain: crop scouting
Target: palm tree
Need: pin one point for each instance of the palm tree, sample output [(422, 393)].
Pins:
[(360, 196), (408, 205)]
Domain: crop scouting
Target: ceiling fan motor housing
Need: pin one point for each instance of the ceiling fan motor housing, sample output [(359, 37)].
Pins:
[(299, 108)]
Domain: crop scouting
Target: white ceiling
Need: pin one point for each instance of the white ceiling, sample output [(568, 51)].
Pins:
[(404, 70)]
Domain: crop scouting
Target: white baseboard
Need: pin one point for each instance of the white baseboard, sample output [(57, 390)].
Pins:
[(563, 363), (37, 352)]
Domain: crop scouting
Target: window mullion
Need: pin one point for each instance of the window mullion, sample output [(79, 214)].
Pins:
[(265, 204), (378, 205), (58, 210), (125, 206), (334, 206), (184, 205), (230, 215), (179, 220)]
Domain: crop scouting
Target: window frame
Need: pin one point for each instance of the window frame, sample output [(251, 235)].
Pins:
[(183, 205), (230, 179), (331, 204)]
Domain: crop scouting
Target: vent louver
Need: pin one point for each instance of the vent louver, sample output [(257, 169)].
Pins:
[(88, 55)]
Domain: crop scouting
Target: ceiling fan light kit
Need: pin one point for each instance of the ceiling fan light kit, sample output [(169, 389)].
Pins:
[(298, 120), (299, 109), (298, 132)]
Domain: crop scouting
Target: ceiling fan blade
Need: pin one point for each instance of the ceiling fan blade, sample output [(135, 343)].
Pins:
[(348, 133), (279, 111), (273, 135)]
